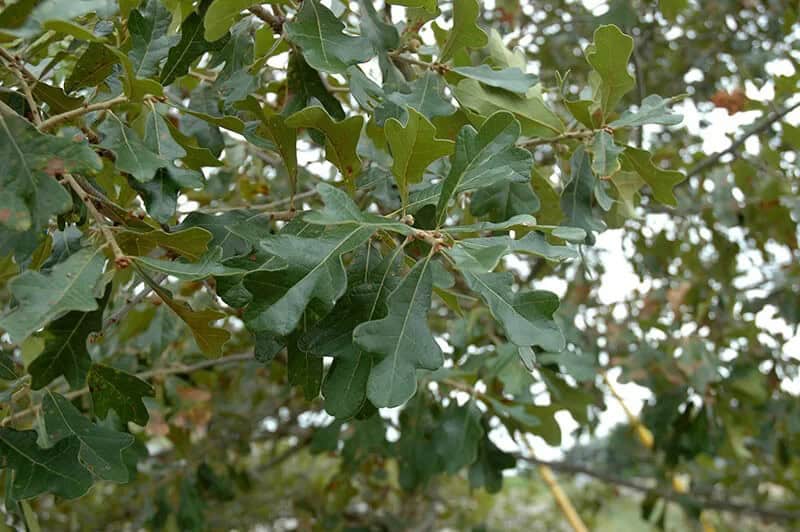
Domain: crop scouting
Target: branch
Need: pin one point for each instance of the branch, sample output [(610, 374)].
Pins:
[(275, 21), (436, 67), (150, 374), (80, 111), (642, 433), (670, 495), (121, 261), (561, 498), (299, 446), (760, 126)]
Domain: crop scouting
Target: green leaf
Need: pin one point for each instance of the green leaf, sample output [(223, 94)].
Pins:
[(609, 55), (518, 221), (132, 154), (430, 6), (121, 392), (150, 38), (36, 471), (325, 47), (465, 33), (28, 157), (274, 128), (208, 265), (483, 158), (577, 197), (510, 79), (653, 110), (481, 255), (315, 272), (526, 317), (501, 56), (304, 370), (413, 148), (671, 8), (305, 83), (459, 435), (221, 15), (190, 509), (191, 46), (605, 154), (158, 138), (426, 96), (537, 119), (43, 297), (504, 200), (160, 196), (100, 448), (91, 68), (345, 386), (341, 138), (487, 471), (191, 242), (65, 350), (136, 89), (234, 231), (661, 181), (628, 185), (51, 10), (550, 210), (8, 369), (209, 339), (402, 338), (382, 35), (341, 210)]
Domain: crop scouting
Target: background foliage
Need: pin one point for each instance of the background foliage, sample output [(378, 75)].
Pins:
[(295, 264)]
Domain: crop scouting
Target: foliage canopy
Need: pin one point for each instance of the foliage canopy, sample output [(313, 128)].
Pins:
[(228, 228)]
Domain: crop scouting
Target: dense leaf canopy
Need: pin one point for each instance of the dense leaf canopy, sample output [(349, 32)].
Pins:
[(320, 265)]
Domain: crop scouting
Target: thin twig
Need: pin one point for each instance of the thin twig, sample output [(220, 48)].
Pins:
[(80, 111), (20, 73), (760, 126), (264, 206), (117, 316), (121, 261), (150, 374)]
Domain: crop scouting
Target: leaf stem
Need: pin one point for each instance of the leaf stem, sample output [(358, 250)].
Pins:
[(121, 261), (80, 111), (569, 135), (758, 127)]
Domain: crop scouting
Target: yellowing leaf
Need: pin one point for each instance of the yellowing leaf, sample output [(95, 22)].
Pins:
[(209, 339)]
